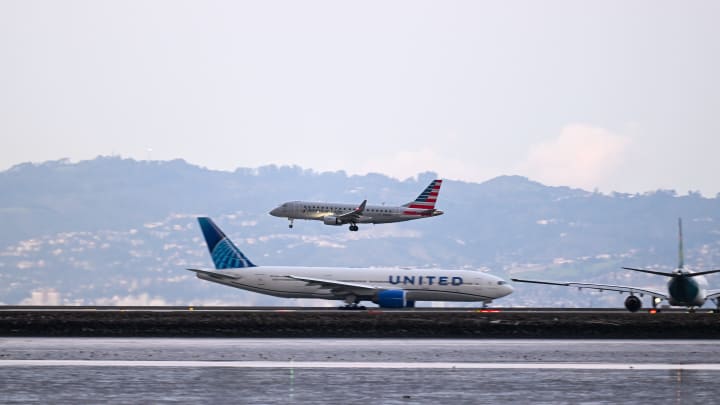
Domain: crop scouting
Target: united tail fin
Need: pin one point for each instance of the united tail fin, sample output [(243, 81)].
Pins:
[(428, 197), (224, 253)]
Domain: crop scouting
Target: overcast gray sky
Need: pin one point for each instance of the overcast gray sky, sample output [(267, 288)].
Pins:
[(615, 95)]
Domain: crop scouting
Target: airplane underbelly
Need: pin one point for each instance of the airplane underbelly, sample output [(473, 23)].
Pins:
[(435, 295), (380, 219)]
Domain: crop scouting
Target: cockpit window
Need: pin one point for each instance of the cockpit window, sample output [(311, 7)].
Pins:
[(501, 282)]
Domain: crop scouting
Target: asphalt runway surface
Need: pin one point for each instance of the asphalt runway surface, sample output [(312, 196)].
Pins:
[(358, 371)]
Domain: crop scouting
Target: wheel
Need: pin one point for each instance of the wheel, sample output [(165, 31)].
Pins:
[(290, 226)]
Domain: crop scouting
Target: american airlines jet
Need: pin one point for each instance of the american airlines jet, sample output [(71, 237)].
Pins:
[(684, 287), (339, 214), (387, 287)]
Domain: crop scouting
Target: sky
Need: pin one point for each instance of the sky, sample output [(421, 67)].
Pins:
[(603, 95)]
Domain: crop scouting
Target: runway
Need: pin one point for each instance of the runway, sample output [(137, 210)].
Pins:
[(286, 322), (386, 371)]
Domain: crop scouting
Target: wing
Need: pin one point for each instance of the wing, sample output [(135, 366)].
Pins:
[(354, 215), (600, 287), (712, 294), (340, 287)]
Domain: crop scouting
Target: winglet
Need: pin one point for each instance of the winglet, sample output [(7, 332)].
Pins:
[(224, 253), (361, 208)]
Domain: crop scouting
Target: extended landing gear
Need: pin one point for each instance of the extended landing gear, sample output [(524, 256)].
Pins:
[(291, 223), (351, 302), (655, 301), (716, 301), (353, 228)]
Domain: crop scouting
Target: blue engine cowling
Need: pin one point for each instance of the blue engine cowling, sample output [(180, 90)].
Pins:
[(392, 299)]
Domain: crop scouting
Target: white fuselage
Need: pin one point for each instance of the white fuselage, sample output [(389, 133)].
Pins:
[(373, 214), (419, 284)]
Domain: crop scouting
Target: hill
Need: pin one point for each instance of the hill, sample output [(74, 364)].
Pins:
[(113, 231)]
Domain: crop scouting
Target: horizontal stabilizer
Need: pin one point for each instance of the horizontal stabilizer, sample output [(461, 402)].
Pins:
[(657, 273), (702, 273), (666, 274), (213, 274)]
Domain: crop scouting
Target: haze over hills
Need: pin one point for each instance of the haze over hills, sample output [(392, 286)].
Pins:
[(119, 231)]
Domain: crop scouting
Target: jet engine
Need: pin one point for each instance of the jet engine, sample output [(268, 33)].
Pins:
[(331, 220), (392, 299), (632, 303)]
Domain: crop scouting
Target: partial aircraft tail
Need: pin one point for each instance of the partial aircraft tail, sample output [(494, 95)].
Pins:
[(681, 254), (427, 198), (681, 262), (224, 253)]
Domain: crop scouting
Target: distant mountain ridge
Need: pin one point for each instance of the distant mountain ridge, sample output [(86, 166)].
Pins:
[(66, 225)]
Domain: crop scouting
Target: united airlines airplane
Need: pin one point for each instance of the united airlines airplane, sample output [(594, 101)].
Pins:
[(340, 214), (387, 287), (685, 288)]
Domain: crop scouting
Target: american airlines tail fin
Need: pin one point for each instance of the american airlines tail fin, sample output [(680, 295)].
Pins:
[(427, 198), (224, 253)]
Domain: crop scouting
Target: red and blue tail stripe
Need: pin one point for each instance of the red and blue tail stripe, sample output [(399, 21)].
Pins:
[(427, 199)]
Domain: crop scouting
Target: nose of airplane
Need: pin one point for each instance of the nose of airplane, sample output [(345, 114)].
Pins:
[(275, 212)]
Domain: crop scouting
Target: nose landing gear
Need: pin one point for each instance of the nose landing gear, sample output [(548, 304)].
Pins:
[(291, 223)]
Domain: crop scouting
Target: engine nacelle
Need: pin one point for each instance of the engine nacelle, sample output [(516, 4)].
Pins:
[(392, 299), (632, 303), (331, 220)]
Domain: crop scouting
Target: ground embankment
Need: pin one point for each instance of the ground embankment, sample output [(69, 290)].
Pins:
[(358, 324)]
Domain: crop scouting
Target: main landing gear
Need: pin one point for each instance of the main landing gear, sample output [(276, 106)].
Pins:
[(716, 301), (353, 228), (351, 302)]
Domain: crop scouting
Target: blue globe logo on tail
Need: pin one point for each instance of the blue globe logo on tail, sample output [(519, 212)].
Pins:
[(224, 253)]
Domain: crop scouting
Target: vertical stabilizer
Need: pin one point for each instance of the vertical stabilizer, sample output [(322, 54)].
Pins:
[(224, 253), (681, 254), (428, 197)]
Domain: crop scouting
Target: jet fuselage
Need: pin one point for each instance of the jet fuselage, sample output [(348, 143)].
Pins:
[(373, 214)]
